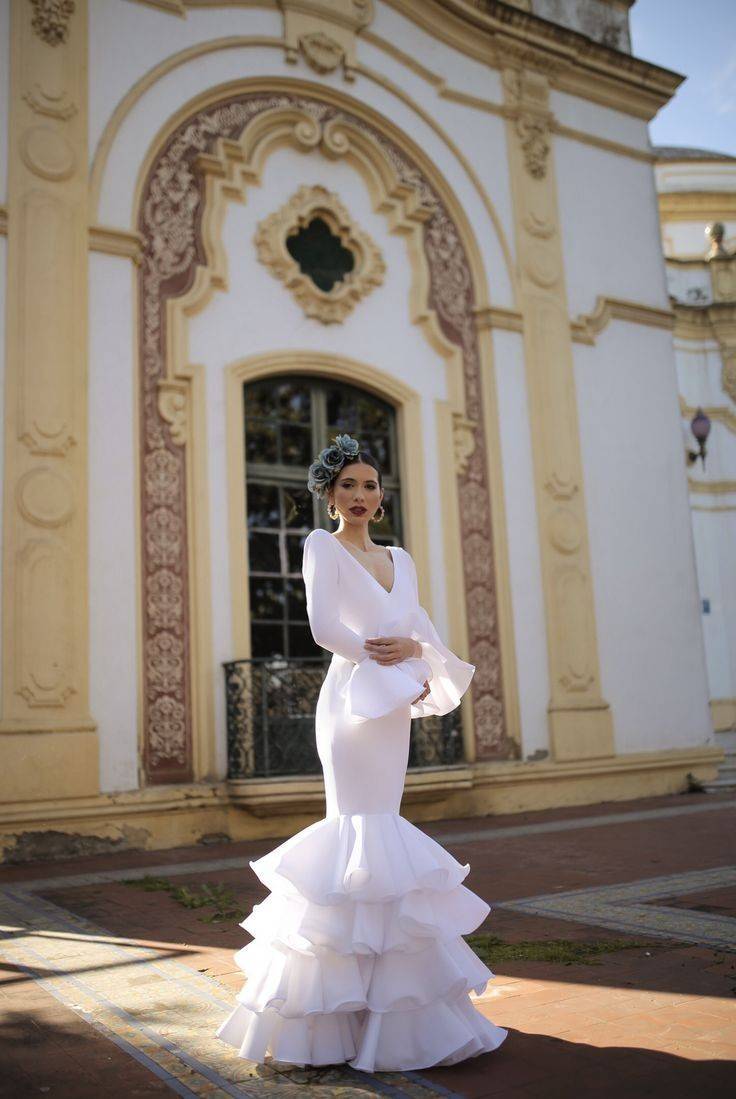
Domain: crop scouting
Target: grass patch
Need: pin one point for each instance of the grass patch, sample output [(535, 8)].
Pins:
[(490, 949), (220, 898)]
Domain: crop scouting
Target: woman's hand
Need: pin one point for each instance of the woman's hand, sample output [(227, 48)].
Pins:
[(392, 650), (424, 693)]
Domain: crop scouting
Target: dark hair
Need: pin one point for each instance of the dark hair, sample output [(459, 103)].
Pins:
[(362, 456)]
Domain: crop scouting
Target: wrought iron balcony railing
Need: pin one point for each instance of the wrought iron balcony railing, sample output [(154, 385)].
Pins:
[(271, 704)]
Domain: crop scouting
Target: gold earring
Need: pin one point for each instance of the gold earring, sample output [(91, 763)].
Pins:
[(332, 511), (380, 517)]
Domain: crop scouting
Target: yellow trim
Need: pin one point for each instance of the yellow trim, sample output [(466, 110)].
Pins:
[(575, 64), (163, 817), (116, 242), (588, 326), (228, 171), (711, 488), (49, 742), (723, 711), (580, 720), (321, 91), (697, 206)]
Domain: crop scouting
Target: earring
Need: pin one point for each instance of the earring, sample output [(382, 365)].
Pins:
[(332, 511), (380, 517)]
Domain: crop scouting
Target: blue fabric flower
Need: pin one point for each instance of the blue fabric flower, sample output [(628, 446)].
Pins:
[(329, 462)]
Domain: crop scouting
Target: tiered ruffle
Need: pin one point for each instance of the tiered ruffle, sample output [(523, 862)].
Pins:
[(358, 953)]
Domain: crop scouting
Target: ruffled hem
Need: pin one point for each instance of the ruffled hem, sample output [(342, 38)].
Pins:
[(437, 1034), (375, 857), (297, 984), (407, 924), (358, 953)]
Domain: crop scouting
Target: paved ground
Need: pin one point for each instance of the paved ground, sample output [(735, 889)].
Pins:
[(117, 969)]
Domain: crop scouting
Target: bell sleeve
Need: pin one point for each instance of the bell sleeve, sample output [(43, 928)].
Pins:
[(370, 690), (320, 572), (450, 677)]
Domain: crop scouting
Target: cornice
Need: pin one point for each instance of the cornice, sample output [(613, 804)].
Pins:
[(694, 205), (502, 35)]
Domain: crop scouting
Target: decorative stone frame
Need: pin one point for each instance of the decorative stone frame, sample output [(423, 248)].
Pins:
[(308, 202), (214, 154)]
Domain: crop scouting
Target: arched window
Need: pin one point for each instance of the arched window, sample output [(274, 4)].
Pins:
[(288, 420)]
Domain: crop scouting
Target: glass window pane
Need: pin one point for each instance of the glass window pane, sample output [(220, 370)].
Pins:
[(301, 642), (258, 399), (294, 402), (387, 528), (296, 600), (262, 506), (260, 441), (296, 445), (263, 552), (374, 414), (378, 446), (295, 552), (267, 640), (298, 508), (266, 598)]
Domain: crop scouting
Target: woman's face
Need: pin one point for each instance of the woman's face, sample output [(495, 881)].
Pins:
[(356, 487)]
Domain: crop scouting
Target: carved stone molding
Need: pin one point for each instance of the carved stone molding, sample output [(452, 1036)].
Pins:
[(51, 19), (324, 32), (172, 404), (580, 720), (322, 52), (52, 105), (328, 306), (170, 224), (463, 435), (533, 131)]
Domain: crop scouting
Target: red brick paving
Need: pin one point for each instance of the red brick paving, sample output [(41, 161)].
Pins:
[(650, 1021)]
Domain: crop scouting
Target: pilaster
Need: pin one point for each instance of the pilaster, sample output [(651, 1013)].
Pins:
[(47, 737), (580, 720)]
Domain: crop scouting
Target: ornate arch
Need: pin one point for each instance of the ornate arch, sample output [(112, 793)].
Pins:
[(170, 220)]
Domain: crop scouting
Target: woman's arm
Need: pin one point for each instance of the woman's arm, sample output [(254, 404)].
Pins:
[(320, 572)]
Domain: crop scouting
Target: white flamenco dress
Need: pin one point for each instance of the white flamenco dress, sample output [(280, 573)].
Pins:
[(357, 954)]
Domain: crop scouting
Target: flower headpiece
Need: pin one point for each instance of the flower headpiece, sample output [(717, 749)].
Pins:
[(330, 461)]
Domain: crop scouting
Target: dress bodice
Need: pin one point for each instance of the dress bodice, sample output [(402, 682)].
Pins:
[(346, 605)]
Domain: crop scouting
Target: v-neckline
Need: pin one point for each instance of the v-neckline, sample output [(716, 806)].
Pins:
[(394, 561)]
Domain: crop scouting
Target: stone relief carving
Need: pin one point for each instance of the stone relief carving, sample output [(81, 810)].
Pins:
[(51, 19), (533, 134), (169, 223), (308, 203), (322, 53)]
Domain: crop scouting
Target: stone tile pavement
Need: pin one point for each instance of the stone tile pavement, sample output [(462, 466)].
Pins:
[(112, 990)]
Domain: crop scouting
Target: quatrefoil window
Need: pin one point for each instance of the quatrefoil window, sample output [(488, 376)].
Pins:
[(320, 254), (315, 248)]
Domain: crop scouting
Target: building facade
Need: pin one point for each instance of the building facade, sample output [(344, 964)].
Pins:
[(697, 200), (231, 230)]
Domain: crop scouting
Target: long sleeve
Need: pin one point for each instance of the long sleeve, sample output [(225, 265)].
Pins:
[(320, 572), (451, 676)]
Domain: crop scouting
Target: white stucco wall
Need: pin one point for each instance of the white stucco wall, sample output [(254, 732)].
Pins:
[(527, 598), (258, 315), (611, 242), (699, 372), (642, 554), (113, 527), (645, 585)]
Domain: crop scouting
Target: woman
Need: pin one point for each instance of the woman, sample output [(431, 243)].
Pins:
[(358, 953)]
